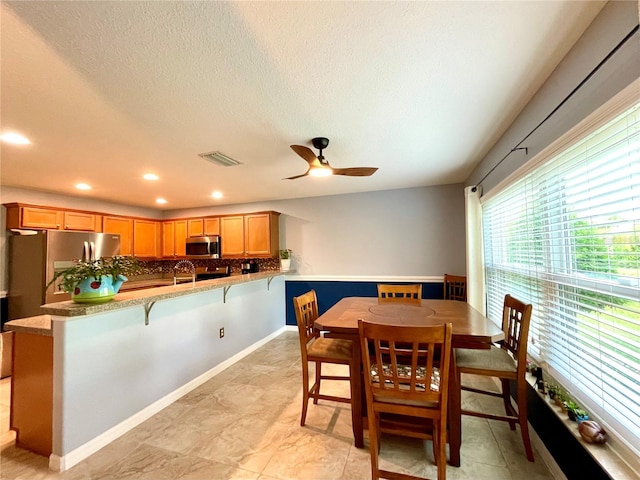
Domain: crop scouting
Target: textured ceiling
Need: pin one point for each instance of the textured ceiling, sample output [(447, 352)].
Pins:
[(108, 91)]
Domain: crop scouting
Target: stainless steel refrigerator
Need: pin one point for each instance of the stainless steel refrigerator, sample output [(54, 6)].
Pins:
[(35, 258)]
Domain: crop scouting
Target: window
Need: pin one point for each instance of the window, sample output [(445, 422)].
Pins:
[(566, 238)]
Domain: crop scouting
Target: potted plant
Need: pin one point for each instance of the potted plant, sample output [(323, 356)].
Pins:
[(96, 281), (581, 415), (285, 259), (571, 407), (552, 390)]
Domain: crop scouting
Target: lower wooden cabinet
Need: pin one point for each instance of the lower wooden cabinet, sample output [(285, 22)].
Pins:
[(123, 226), (32, 392), (146, 238)]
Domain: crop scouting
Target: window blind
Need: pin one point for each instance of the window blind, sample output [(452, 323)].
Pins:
[(566, 238)]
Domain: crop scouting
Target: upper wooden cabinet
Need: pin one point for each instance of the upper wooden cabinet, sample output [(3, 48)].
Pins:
[(212, 226), (80, 221), (255, 235), (195, 227), (35, 217), (146, 238), (22, 216), (123, 226), (248, 235), (174, 234), (261, 234), (232, 235)]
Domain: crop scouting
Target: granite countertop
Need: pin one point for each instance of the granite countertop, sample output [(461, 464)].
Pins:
[(38, 325), (125, 299)]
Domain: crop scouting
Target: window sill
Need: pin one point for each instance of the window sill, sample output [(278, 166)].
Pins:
[(604, 455)]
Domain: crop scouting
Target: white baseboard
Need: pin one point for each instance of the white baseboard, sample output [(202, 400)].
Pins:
[(61, 463)]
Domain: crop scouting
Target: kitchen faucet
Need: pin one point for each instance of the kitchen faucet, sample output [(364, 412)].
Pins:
[(181, 264)]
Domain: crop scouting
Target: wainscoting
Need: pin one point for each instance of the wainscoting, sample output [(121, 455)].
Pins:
[(330, 292)]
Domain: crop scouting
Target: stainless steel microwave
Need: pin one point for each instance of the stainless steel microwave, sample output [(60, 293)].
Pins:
[(203, 247)]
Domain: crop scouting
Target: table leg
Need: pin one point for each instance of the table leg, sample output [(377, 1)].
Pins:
[(455, 414), (356, 406)]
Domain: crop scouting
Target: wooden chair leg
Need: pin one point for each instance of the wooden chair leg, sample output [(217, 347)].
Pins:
[(454, 413), (374, 445), (506, 400), (318, 375), (441, 459), (522, 415), (305, 393)]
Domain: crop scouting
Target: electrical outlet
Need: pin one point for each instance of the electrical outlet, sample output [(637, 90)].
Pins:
[(222, 332)]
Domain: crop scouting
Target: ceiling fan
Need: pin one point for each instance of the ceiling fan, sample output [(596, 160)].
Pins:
[(319, 167)]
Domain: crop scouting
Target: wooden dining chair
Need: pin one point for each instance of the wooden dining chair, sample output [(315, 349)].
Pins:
[(455, 287), (406, 385), (411, 294), (508, 362), (318, 349)]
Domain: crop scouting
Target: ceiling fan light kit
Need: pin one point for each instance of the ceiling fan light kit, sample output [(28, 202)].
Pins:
[(319, 167)]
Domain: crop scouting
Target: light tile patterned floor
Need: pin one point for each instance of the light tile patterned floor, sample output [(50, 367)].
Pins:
[(244, 424)]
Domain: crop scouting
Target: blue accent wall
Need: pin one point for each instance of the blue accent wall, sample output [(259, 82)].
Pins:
[(330, 292)]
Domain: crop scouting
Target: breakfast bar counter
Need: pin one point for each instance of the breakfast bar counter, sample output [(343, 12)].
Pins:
[(111, 366), (125, 299)]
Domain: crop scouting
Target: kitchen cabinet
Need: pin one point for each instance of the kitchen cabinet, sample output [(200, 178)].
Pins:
[(195, 227), (174, 235), (212, 226), (34, 217), (80, 221), (146, 238), (25, 216), (255, 234), (123, 226), (32, 392), (232, 235), (261, 233)]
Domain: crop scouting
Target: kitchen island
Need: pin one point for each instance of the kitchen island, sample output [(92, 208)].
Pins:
[(116, 364)]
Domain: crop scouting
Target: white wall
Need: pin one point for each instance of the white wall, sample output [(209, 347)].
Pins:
[(611, 25), (109, 367), (408, 232)]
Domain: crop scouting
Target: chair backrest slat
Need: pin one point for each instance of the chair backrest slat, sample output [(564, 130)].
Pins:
[(411, 294), (410, 363), (516, 317), (455, 287), (306, 307)]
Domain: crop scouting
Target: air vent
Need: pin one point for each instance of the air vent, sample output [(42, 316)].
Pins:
[(220, 159)]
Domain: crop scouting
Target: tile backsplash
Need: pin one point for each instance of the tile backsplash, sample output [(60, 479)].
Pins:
[(166, 266)]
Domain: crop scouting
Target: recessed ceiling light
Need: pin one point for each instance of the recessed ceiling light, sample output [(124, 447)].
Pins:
[(217, 194), (14, 138), (150, 176), (83, 186), (161, 200)]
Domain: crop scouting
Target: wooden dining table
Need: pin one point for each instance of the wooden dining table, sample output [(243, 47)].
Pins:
[(471, 329)]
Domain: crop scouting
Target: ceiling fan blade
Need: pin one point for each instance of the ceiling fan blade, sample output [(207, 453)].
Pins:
[(306, 153), (355, 171), (297, 176)]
